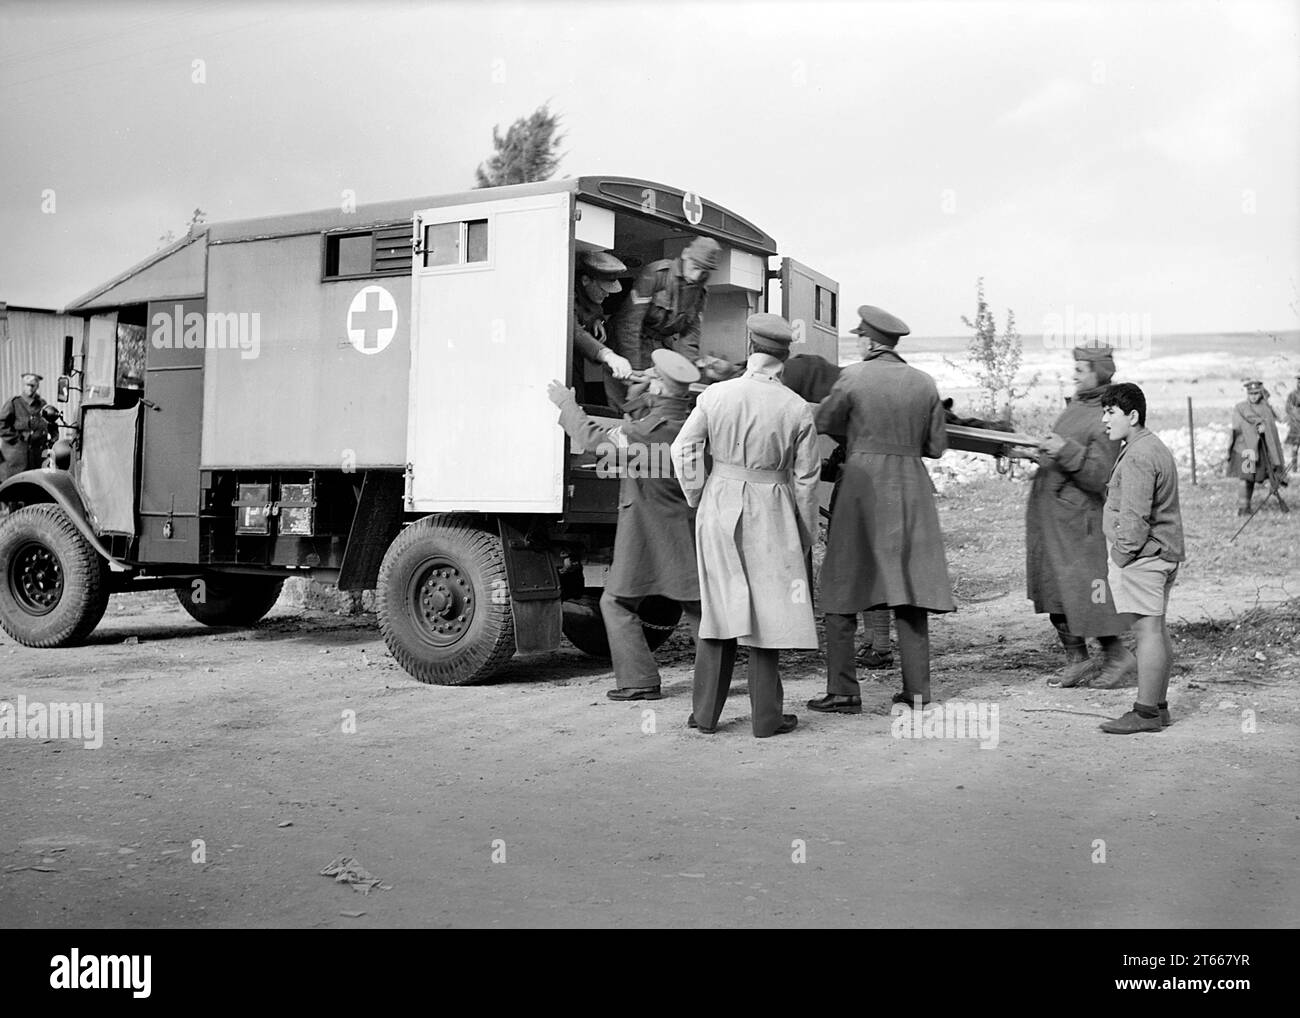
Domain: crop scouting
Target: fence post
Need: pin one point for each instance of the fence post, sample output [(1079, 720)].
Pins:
[(1191, 437)]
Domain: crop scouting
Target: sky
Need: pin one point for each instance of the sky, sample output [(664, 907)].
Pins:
[(1137, 158)]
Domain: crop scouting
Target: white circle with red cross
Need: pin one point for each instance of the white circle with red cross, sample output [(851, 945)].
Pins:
[(372, 319), (692, 208)]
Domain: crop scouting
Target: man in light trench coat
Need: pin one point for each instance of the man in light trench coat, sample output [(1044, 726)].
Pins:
[(757, 517), (884, 548)]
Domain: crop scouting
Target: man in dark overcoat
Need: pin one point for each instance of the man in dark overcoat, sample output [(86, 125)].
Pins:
[(654, 545), (1256, 449), (1065, 552), (884, 547), (24, 433)]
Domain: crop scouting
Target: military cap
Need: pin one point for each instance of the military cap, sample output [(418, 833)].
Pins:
[(674, 367), (1094, 352), (32, 374), (1253, 383), (769, 333), (880, 325), (604, 268), (705, 252)]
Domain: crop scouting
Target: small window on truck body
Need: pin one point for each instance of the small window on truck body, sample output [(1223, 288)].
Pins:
[(462, 243), (382, 252)]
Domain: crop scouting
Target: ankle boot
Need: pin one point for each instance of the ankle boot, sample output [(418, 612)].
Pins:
[(1119, 666)]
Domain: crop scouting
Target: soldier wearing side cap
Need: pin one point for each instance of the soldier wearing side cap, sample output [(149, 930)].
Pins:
[(757, 518), (884, 547), (1255, 449), (24, 432), (654, 545), (664, 310), (596, 280), (1065, 552)]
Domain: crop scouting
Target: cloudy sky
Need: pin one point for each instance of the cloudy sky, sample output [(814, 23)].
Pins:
[(1138, 157)]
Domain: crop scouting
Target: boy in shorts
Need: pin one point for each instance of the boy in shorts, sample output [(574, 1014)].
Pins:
[(1143, 527)]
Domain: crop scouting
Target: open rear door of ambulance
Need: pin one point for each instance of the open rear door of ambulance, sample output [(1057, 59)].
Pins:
[(489, 330), (810, 302)]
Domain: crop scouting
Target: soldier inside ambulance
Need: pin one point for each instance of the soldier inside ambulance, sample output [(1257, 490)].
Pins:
[(664, 310), (596, 280)]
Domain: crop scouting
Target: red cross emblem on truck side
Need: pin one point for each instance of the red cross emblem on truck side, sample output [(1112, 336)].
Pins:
[(372, 319)]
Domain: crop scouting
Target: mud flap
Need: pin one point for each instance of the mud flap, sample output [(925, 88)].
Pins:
[(534, 591)]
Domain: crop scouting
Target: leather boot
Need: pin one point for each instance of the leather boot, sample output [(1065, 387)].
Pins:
[(1077, 664), (1119, 666)]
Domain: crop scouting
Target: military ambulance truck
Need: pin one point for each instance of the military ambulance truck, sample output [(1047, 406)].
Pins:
[(358, 396)]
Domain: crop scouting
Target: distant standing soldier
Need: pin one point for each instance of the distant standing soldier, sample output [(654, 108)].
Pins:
[(664, 310), (1065, 551), (884, 548), (1255, 444), (1293, 423), (597, 280), (654, 545), (24, 433), (757, 518)]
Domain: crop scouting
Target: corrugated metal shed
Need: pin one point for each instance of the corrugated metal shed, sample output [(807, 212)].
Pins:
[(32, 339)]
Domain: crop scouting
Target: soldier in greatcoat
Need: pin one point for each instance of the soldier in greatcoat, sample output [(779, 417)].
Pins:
[(884, 547), (757, 518), (654, 545), (1065, 552), (1255, 444), (24, 433)]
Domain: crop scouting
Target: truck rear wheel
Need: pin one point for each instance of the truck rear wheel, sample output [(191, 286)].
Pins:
[(230, 599), (444, 602), (53, 584), (584, 626)]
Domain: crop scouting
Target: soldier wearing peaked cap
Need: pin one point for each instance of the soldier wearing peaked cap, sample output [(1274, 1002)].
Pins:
[(884, 546), (665, 309), (1065, 552), (597, 279), (654, 545), (24, 433), (757, 518), (1255, 444)]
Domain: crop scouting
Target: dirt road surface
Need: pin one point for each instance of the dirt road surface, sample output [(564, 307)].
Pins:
[(230, 775)]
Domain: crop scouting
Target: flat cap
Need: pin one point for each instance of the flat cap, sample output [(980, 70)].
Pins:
[(604, 268), (770, 332), (601, 264), (31, 374), (672, 365), (878, 324), (704, 251)]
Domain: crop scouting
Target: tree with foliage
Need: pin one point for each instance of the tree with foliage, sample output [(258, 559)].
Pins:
[(529, 151), (994, 359)]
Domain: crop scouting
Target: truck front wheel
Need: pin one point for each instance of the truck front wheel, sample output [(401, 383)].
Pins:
[(443, 601), (230, 599), (53, 584)]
